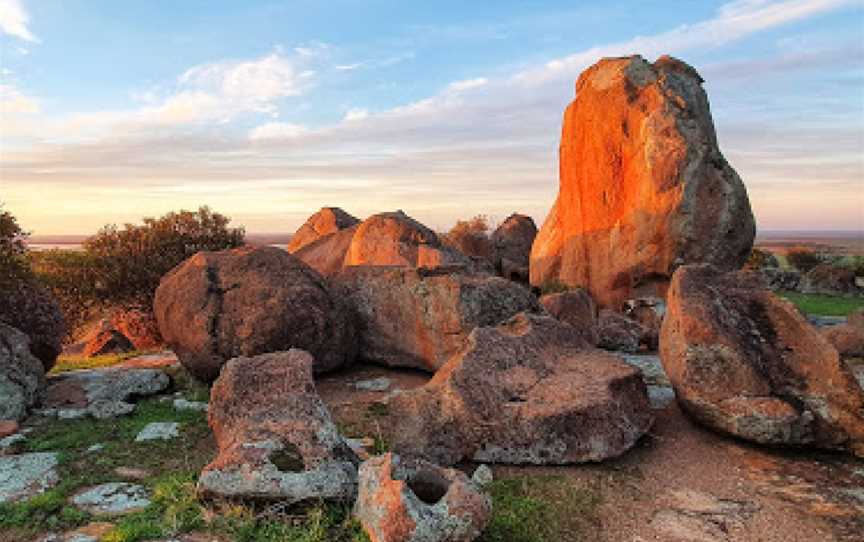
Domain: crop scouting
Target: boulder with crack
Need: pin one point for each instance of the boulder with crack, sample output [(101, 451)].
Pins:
[(416, 501), (248, 301), (747, 363), (22, 375), (101, 393), (528, 391), (275, 436), (421, 317)]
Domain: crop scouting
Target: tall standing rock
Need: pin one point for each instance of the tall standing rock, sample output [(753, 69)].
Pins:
[(643, 185), (747, 363), (512, 242), (248, 301), (327, 221)]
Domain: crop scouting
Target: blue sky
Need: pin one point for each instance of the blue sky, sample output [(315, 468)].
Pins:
[(110, 111)]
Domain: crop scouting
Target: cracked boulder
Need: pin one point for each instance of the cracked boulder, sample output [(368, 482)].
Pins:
[(102, 393), (275, 436), (22, 376), (528, 391), (325, 222), (416, 501), (249, 301), (421, 317), (327, 254), (746, 363)]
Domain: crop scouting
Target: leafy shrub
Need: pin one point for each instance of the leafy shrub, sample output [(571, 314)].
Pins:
[(761, 259), (803, 260), (471, 237), (13, 263)]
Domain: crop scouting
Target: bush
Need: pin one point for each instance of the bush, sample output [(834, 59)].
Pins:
[(761, 259), (471, 237), (803, 260), (13, 262)]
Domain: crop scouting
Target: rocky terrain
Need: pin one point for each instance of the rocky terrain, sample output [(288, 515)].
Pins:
[(614, 376)]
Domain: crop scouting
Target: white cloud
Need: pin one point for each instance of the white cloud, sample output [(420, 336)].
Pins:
[(13, 102), (467, 84), (276, 130), (357, 113), (14, 20)]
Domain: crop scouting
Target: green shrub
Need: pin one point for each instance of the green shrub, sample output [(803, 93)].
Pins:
[(803, 260), (761, 259), (13, 263)]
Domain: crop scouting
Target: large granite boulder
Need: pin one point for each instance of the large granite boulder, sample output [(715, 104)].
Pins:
[(416, 501), (22, 375), (576, 308), (395, 239), (512, 242), (327, 254), (528, 391), (420, 317), (643, 185), (327, 221), (33, 310), (275, 436), (248, 301), (847, 338), (830, 279), (746, 362)]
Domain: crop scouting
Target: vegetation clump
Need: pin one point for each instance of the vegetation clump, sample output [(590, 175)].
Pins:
[(471, 237)]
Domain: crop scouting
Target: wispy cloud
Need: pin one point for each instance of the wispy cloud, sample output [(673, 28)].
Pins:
[(15, 21)]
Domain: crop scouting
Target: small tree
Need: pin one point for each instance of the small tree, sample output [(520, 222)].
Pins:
[(471, 237), (803, 260), (761, 259), (13, 250)]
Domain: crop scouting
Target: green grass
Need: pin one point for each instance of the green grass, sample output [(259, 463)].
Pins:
[(74, 363), (540, 509), (824, 305)]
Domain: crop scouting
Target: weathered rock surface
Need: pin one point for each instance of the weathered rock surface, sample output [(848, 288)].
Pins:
[(528, 391), (275, 436), (22, 376), (512, 242), (25, 475), (395, 239), (847, 338), (106, 341), (139, 327), (648, 312), (101, 393), (158, 431), (576, 308), (643, 185), (327, 254), (419, 317), (416, 501), (32, 310), (617, 332), (782, 279), (327, 221), (113, 498), (746, 363), (248, 301), (829, 280)]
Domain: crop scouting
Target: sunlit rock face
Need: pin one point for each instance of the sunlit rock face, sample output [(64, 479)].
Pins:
[(643, 185)]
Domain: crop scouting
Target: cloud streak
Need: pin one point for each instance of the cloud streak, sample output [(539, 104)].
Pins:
[(15, 21)]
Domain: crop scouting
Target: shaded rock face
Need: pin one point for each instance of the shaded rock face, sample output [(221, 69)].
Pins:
[(780, 279), (746, 363), (512, 242), (327, 221), (643, 185), (624, 334), (529, 391), (101, 393), (576, 308), (830, 280), (420, 318), (32, 310), (106, 341), (395, 239), (275, 436), (327, 254), (247, 301), (22, 375), (139, 327), (847, 338), (417, 501)]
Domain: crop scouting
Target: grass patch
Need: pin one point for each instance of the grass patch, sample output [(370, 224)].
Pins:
[(540, 509), (824, 305), (74, 363)]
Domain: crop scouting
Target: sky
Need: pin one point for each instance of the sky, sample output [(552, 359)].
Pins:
[(268, 110)]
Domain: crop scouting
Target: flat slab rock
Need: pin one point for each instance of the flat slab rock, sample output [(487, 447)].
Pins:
[(101, 393), (23, 476), (158, 431), (114, 498)]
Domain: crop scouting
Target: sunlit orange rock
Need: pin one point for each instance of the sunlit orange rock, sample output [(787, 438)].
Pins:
[(643, 185), (327, 221)]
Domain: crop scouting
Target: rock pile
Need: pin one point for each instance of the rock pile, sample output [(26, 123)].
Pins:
[(643, 187), (746, 363)]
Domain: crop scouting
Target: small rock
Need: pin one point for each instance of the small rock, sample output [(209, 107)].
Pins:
[(158, 431), (101, 393), (483, 476), (112, 498), (132, 473), (12, 439), (660, 396), (8, 427), (375, 384), (96, 448), (25, 475), (183, 404), (92, 532)]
